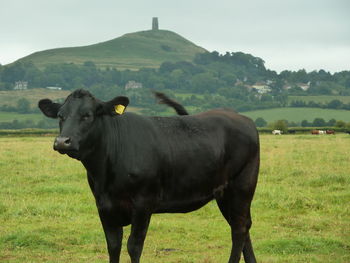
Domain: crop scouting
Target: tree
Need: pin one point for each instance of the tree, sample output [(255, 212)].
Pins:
[(166, 67), (204, 82), (319, 122), (260, 122), (23, 105), (298, 103), (340, 124), (335, 104), (13, 72), (301, 76), (280, 125), (178, 78), (347, 126), (282, 99), (305, 123), (331, 122)]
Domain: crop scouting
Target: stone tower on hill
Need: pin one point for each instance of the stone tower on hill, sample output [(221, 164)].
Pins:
[(155, 23)]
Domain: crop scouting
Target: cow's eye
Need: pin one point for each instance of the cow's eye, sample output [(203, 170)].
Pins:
[(86, 117)]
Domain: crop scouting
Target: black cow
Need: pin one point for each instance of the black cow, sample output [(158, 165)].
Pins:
[(138, 165)]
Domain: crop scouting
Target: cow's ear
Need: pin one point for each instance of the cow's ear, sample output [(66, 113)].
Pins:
[(115, 106), (49, 108)]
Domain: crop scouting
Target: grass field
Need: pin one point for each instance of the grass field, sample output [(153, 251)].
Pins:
[(300, 212), (10, 116), (299, 114)]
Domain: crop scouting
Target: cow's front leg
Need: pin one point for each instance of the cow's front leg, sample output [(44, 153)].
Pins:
[(114, 235), (139, 226)]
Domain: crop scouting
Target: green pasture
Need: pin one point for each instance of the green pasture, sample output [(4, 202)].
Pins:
[(11, 97), (298, 114), (319, 99), (300, 211), (11, 116)]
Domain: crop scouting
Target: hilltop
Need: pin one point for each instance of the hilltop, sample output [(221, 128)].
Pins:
[(131, 51)]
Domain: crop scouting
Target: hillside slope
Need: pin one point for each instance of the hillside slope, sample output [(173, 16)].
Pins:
[(11, 97), (130, 51)]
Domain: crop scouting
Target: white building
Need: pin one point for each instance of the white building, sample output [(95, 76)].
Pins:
[(261, 88), (54, 88), (21, 85), (133, 85)]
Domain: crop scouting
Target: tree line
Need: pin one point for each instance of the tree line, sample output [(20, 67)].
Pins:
[(210, 80), (283, 125), (333, 104), (317, 122)]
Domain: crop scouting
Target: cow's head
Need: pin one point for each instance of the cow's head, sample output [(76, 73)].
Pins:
[(78, 116)]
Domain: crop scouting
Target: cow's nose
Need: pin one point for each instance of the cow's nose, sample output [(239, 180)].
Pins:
[(62, 143)]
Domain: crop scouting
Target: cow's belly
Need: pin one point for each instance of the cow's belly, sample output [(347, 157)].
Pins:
[(188, 192), (182, 205)]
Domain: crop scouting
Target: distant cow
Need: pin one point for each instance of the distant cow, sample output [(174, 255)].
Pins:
[(138, 165), (330, 132), (277, 132), (316, 132)]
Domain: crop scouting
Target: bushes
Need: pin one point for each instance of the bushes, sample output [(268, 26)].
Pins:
[(27, 132), (22, 106), (16, 124), (333, 104)]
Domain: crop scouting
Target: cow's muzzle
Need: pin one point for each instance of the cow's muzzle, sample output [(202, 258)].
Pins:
[(65, 145), (62, 143)]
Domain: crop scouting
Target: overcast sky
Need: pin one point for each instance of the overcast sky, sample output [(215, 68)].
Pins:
[(286, 34)]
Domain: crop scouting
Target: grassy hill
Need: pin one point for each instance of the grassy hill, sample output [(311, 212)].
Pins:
[(10, 97), (130, 51), (299, 114)]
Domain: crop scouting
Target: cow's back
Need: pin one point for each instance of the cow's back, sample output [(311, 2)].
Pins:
[(202, 153)]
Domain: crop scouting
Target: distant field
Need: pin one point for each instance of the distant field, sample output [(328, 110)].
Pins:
[(300, 210), (319, 99), (11, 116), (299, 114), (33, 95), (270, 115)]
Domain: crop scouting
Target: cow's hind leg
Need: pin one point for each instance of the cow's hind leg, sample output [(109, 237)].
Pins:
[(234, 204), (240, 224)]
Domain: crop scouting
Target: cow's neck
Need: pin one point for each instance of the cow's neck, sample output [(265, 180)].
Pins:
[(102, 146)]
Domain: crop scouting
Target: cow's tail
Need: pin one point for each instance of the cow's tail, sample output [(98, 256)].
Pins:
[(163, 99)]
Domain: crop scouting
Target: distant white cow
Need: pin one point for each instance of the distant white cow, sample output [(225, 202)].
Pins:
[(277, 132), (321, 132)]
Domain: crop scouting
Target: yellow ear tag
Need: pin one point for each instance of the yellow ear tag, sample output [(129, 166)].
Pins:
[(119, 109)]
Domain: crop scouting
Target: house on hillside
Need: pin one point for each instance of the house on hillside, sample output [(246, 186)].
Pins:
[(21, 85), (303, 86), (261, 88), (133, 85)]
